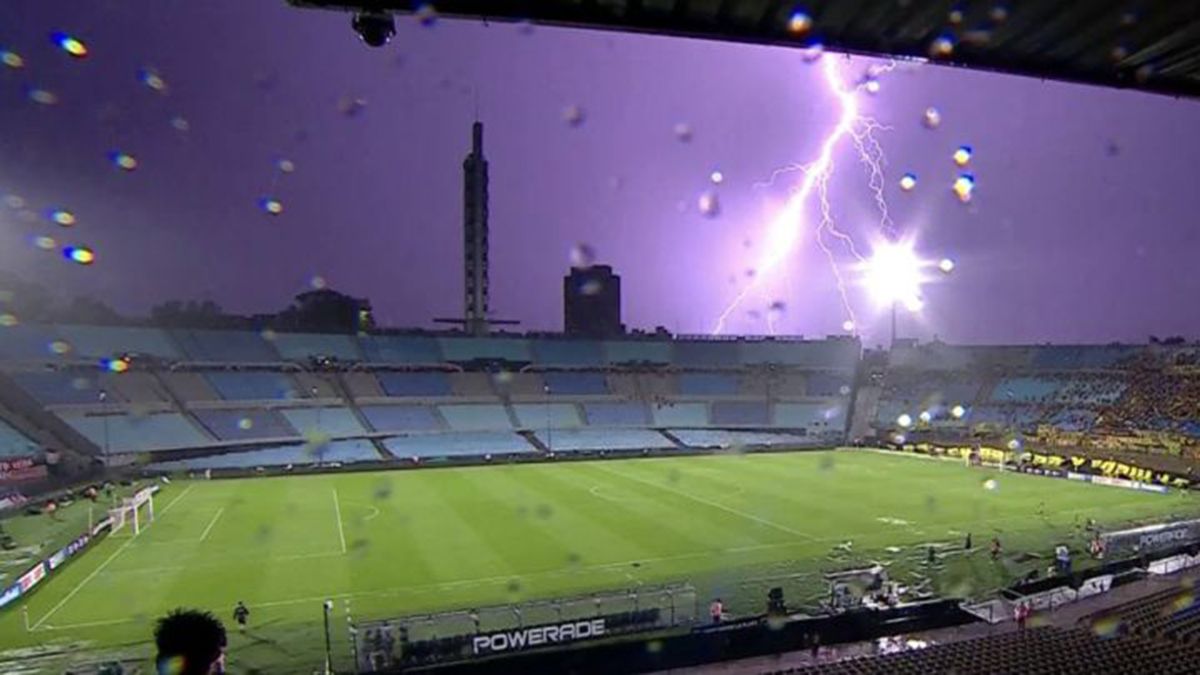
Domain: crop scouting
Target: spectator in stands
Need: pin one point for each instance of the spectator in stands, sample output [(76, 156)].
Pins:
[(190, 642), (716, 611)]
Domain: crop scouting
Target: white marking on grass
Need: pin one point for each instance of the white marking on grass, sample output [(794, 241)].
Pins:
[(87, 624), (337, 509), (374, 514), (211, 523), (81, 584), (104, 564), (707, 502)]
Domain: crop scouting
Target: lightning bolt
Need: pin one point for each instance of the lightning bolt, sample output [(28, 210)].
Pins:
[(784, 231)]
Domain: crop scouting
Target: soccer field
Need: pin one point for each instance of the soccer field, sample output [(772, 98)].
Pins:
[(388, 544)]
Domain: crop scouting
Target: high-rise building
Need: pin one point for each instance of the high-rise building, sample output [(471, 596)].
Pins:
[(592, 302)]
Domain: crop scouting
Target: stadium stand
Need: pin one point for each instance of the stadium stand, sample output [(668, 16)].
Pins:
[(475, 417), (344, 452), (401, 418), (253, 386), (575, 384), (645, 352), (134, 387), (518, 384), (616, 414), (419, 385), (137, 433), (690, 354), (487, 349), (541, 415), (243, 425), (1037, 651), (224, 346), (335, 422), (362, 385), (707, 384), (414, 350), (568, 353), (98, 342), (471, 384), (60, 387), (680, 414), (27, 343), (720, 438), (740, 414), (189, 386), (15, 444), (305, 346), (574, 440), (452, 444)]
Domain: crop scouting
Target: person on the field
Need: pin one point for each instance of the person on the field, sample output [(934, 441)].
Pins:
[(967, 543), (716, 610), (241, 614), (190, 642), (996, 548)]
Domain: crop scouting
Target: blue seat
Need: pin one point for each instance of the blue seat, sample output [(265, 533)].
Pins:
[(238, 425), (60, 388), (225, 346), (15, 444), (401, 418), (574, 440), (97, 342), (324, 421), (470, 417), (458, 444), (470, 349), (137, 433), (638, 351), (568, 353), (740, 413), (721, 438), (539, 415), (406, 349), (417, 385), (252, 386), (616, 414), (708, 384), (707, 354), (680, 414), (303, 346), (576, 383)]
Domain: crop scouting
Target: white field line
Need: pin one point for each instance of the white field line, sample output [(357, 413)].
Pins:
[(337, 509), (211, 523), (100, 568), (715, 505)]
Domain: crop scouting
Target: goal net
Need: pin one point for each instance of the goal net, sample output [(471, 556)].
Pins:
[(134, 513)]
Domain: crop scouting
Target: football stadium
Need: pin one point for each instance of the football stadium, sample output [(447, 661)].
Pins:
[(351, 485)]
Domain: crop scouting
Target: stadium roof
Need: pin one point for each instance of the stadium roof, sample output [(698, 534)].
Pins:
[(1149, 45)]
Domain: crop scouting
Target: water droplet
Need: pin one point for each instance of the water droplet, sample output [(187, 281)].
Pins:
[(826, 462), (990, 484), (844, 390), (683, 132), (8, 319), (872, 86), (59, 347), (285, 165), (716, 177), (11, 59), (813, 52), (776, 309), (946, 265), (42, 96), (964, 187), (1144, 72), (268, 335), (955, 16), (799, 23), (317, 282), (83, 384), (180, 123), (427, 14), (123, 160), (591, 287), (383, 490), (848, 325), (673, 476), (45, 243), (271, 205), (908, 181), (62, 217), (582, 256), (709, 204), (999, 13), (14, 201), (942, 47), (904, 420), (351, 106), (962, 155), (245, 424), (115, 365), (543, 511), (1129, 18), (931, 118), (70, 45), (925, 416), (513, 587), (573, 115), (80, 255), (151, 78)]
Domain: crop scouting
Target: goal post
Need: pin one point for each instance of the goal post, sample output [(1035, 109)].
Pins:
[(136, 511)]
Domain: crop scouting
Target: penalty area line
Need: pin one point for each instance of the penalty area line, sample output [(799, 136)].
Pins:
[(211, 523), (337, 509)]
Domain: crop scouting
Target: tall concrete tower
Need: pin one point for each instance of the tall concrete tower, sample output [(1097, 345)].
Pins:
[(475, 236)]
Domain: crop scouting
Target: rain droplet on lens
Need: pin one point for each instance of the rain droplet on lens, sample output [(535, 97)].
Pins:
[(683, 131), (591, 287), (42, 96), (544, 511), (427, 14), (151, 78), (583, 256), (351, 106), (317, 282), (271, 205), (573, 115), (709, 204), (932, 118)]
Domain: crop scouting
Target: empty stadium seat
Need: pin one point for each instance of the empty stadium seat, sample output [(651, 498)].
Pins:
[(343, 452), (253, 385), (567, 353), (574, 440), (616, 414), (15, 444), (335, 422), (457, 444), (575, 383), (740, 413), (721, 438), (541, 415), (706, 354), (707, 384), (471, 349), (638, 351), (225, 346), (471, 384), (680, 414), (305, 346), (401, 418), (97, 342), (414, 384), (137, 433), (415, 350), (469, 417), (238, 425)]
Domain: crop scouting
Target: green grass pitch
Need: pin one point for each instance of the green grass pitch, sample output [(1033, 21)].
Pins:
[(387, 544)]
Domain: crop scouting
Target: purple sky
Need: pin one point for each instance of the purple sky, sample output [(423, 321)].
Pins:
[(1064, 241)]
